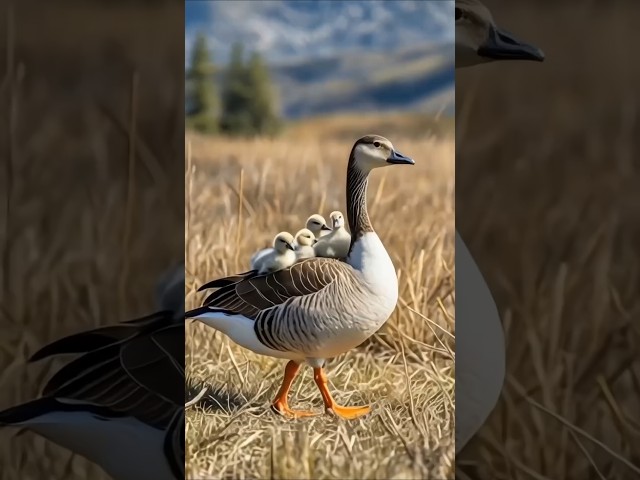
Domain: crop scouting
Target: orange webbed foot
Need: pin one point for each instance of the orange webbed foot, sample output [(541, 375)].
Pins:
[(283, 409), (348, 413)]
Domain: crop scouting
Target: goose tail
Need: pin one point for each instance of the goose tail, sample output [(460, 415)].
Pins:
[(27, 413), (196, 312)]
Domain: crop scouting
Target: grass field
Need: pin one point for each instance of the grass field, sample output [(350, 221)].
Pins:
[(547, 177), (239, 194)]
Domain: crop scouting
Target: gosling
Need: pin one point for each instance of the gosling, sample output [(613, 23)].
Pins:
[(335, 244), (318, 225), (282, 255), (304, 244)]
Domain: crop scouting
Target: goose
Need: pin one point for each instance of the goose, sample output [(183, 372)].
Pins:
[(335, 244), (479, 40), (318, 225), (480, 364), (280, 256), (304, 244), (121, 403), (317, 308)]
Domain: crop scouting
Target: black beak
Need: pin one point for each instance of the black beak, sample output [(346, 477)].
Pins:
[(324, 227), (290, 247), (501, 45), (397, 158), (315, 240)]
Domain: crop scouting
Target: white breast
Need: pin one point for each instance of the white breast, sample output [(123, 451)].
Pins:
[(480, 351), (377, 273)]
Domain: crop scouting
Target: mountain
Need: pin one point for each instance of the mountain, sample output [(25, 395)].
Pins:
[(332, 56)]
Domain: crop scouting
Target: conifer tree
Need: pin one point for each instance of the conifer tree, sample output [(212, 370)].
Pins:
[(248, 104), (263, 114), (203, 96), (236, 96)]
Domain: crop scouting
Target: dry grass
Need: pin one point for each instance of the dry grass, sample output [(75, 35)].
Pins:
[(70, 262), (405, 371), (547, 201)]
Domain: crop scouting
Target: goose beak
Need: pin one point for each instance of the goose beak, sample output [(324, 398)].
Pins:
[(396, 158), (501, 45), (325, 228)]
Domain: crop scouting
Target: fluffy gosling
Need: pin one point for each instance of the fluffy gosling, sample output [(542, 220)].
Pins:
[(335, 244), (318, 225), (282, 255), (305, 239)]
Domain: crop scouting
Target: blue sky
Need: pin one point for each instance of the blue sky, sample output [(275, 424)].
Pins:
[(282, 28)]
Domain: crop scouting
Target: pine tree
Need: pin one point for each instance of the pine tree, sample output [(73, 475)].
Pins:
[(264, 119), (236, 96), (203, 96)]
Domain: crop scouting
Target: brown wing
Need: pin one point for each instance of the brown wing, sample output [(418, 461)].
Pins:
[(142, 376), (252, 293)]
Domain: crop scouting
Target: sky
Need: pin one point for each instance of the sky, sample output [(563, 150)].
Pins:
[(285, 29)]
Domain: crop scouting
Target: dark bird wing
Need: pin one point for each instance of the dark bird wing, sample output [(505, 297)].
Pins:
[(248, 294), (97, 338)]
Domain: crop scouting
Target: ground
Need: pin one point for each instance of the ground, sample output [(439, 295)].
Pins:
[(240, 193)]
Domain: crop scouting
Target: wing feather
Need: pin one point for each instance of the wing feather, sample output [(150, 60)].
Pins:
[(248, 294), (140, 376)]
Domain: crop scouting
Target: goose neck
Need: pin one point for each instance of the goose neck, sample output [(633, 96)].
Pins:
[(357, 214)]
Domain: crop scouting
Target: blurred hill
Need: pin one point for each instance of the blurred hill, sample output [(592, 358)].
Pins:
[(333, 57)]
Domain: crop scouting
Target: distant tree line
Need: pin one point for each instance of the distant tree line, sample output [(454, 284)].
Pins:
[(245, 104)]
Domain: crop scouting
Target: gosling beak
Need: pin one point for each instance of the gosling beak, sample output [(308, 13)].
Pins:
[(397, 158), (290, 247), (325, 228), (335, 224), (315, 240), (501, 45)]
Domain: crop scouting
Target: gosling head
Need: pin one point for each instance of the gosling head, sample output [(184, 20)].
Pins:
[(283, 242), (316, 223), (374, 151), (479, 40), (305, 237), (337, 220)]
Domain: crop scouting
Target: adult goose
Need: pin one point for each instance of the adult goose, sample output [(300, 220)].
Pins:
[(480, 345), (121, 403), (319, 307)]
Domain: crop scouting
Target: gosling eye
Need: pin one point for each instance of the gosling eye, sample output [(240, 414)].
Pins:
[(376, 144)]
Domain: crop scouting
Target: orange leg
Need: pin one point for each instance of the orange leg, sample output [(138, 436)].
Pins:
[(280, 404), (329, 403)]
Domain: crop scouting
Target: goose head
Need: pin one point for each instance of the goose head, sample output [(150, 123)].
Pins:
[(305, 237), (283, 242), (337, 220), (480, 40), (316, 223), (374, 151)]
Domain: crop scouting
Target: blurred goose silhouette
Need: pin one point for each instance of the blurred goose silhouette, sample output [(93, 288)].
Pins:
[(480, 345), (120, 404)]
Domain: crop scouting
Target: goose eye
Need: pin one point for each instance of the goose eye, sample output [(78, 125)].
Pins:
[(376, 144), (458, 14)]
